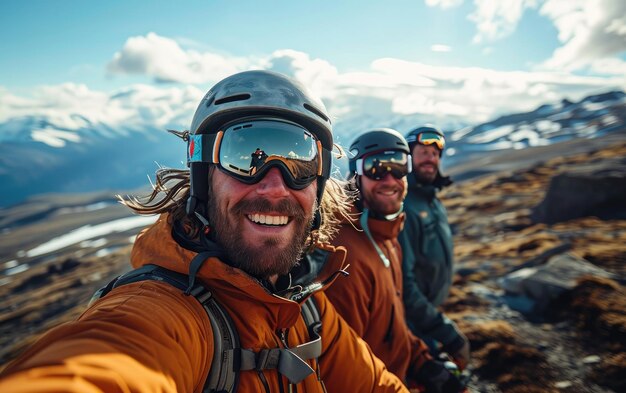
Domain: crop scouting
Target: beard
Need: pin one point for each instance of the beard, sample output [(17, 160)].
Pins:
[(266, 259), (425, 177), (384, 206)]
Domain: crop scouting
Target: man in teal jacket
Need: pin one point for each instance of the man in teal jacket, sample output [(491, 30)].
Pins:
[(427, 249)]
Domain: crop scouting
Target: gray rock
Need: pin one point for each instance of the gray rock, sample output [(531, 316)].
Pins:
[(545, 283), (591, 189)]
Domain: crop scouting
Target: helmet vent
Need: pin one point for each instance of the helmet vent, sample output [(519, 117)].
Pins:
[(370, 146), (210, 100), (243, 126), (237, 97), (316, 111)]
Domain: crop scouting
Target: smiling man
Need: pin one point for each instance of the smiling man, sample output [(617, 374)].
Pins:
[(427, 249), (228, 290), (370, 299)]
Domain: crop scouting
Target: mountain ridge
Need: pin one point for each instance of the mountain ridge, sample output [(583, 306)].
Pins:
[(43, 154)]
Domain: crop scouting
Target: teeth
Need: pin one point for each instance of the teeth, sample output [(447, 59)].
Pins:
[(267, 219)]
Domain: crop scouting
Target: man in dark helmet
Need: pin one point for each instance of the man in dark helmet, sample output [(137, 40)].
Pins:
[(427, 248), (222, 279), (370, 299)]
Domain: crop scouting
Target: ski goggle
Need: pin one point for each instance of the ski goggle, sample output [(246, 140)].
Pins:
[(247, 150), (428, 138), (376, 166)]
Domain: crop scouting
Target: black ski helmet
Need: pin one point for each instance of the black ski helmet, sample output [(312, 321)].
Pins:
[(411, 136), (379, 139), (257, 94)]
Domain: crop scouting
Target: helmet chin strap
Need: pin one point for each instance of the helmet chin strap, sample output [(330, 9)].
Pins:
[(366, 229), (317, 216), (393, 216)]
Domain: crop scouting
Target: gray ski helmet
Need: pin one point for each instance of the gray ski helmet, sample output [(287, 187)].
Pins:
[(256, 94), (379, 139), (411, 136), (262, 93)]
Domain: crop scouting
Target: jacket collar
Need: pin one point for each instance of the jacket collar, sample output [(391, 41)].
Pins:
[(429, 191), (380, 229)]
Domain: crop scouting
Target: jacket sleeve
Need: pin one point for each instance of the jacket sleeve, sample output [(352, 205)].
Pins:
[(347, 363), (141, 337), (421, 315)]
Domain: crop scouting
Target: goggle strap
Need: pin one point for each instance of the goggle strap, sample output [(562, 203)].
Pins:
[(326, 162), (200, 148), (359, 167)]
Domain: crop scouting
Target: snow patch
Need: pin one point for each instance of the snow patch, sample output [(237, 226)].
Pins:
[(89, 232), (54, 138)]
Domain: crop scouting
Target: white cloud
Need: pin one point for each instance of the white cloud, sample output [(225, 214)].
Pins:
[(388, 87), (609, 66), (591, 32), (164, 60), (72, 107), (444, 4), (497, 19), (317, 74), (494, 19), (477, 93), (440, 48)]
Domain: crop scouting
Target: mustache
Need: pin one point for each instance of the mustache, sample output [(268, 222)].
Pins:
[(427, 163), (390, 188), (262, 205)]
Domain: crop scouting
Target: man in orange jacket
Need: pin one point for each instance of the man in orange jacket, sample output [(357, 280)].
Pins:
[(370, 300), (255, 240)]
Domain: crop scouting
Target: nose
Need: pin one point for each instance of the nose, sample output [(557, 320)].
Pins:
[(272, 184), (432, 156), (388, 178)]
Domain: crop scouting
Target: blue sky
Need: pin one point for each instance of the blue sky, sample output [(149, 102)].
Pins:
[(445, 58)]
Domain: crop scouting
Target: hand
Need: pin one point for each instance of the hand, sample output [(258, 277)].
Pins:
[(462, 356), (436, 378)]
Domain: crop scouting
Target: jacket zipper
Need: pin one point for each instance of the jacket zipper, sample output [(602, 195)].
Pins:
[(433, 209)]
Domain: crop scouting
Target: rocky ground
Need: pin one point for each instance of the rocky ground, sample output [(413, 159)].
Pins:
[(575, 342)]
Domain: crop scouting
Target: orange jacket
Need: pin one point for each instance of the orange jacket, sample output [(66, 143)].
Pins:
[(370, 299), (150, 337)]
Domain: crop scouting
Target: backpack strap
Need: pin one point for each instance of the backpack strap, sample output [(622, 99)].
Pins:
[(223, 373), (290, 362), (228, 356)]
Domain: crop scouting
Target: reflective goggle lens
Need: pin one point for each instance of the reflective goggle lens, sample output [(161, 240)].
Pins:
[(377, 166), (247, 150), (429, 138)]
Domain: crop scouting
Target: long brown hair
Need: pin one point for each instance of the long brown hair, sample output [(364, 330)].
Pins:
[(171, 191)]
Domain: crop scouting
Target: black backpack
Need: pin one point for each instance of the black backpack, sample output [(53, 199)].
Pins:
[(228, 357)]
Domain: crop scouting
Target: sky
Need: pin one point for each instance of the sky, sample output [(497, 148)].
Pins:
[(150, 62)]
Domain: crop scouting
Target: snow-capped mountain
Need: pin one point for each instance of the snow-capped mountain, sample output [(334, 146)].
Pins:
[(40, 154), (592, 117), (44, 157)]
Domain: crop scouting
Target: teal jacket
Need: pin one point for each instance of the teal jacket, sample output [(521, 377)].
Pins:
[(427, 264)]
